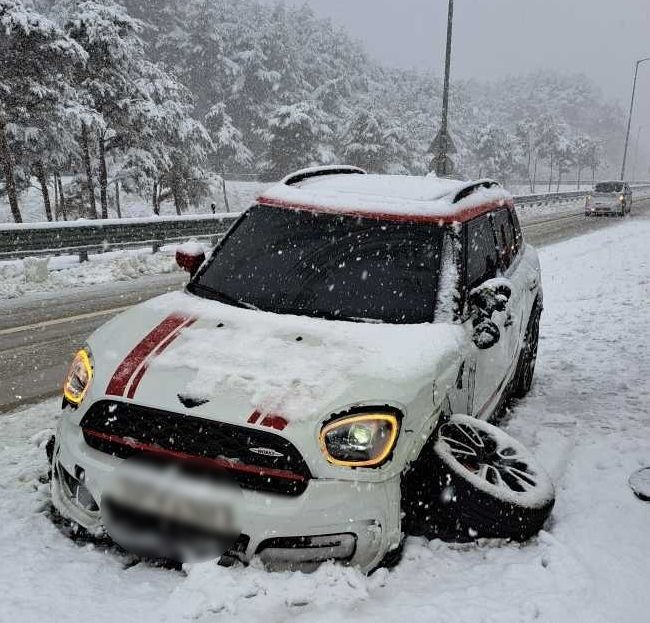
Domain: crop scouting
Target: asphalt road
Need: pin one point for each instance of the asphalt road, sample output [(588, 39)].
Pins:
[(39, 333)]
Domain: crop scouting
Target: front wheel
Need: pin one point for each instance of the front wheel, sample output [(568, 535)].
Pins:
[(487, 484)]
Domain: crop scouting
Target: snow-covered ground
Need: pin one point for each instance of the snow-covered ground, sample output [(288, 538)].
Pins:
[(586, 418)]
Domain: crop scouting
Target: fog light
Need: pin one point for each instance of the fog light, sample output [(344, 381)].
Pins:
[(76, 491), (309, 549)]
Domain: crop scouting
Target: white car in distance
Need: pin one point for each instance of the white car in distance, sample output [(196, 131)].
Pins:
[(609, 198)]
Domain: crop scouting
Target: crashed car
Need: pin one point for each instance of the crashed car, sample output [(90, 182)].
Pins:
[(609, 198), (323, 384)]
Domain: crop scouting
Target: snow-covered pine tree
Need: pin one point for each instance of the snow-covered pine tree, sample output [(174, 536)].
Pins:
[(364, 142), (566, 156), (230, 151), (37, 57), (108, 81), (548, 139), (584, 147), (294, 133), (176, 142)]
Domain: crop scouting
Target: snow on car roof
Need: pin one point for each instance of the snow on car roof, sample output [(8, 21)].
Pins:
[(390, 197)]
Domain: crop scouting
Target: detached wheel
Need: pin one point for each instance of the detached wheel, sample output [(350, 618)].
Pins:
[(487, 483), (525, 373)]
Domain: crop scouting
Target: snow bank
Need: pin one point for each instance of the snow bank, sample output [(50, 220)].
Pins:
[(586, 419), (25, 277)]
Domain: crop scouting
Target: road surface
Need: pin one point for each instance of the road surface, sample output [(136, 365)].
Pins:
[(39, 333)]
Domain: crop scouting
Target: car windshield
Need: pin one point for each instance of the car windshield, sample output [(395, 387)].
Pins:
[(609, 187), (324, 265)]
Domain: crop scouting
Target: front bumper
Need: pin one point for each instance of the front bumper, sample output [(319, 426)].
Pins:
[(370, 512), (601, 210)]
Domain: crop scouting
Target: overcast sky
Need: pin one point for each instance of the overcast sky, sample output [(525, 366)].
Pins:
[(492, 38)]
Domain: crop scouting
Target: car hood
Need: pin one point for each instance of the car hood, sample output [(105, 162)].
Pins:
[(182, 353)]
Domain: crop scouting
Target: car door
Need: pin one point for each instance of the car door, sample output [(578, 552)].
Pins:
[(487, 366), (510, 267)]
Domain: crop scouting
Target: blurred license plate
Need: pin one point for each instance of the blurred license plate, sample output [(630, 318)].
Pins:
[(175, 498)]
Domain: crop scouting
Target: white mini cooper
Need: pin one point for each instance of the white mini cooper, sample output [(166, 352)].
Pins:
[(322, 386)]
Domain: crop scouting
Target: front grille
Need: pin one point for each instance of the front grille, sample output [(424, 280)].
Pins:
[(126, 430)]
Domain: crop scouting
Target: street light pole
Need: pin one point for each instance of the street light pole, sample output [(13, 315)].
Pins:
[(441, 159), (636, 149), (629, 119)]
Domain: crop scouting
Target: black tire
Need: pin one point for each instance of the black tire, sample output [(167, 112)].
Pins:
[(525, 371), (499, 490)]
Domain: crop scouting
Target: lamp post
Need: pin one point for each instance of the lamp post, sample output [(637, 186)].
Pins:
[(636, 149), (629, 119), (442, 144)]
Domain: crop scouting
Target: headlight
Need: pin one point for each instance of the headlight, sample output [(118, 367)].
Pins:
[(79, 376), (361, 440), (621, 198)]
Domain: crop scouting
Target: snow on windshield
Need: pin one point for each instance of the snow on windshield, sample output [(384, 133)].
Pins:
[(331, 266)]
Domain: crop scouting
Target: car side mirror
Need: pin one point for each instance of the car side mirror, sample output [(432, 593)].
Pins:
[(486, 334), (190, 256), (490, 297)]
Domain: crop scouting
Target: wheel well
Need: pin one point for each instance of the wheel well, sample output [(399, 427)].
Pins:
[(414, 477)]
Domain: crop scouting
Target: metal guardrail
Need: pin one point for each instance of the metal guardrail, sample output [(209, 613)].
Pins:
[(564, 197), (82, 238), (550, 198)]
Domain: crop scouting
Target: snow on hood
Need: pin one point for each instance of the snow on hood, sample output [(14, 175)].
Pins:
[(298, 365)]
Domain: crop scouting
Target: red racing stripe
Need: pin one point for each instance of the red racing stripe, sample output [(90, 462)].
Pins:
[(159, 349), (124, 372)]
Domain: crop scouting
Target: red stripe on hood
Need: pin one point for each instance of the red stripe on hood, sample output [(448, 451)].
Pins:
[(126, 370), (159, 349)]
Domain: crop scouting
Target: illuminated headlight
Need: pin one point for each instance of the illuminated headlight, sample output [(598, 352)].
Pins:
[(621, 198), (79, 376), (360, 440)]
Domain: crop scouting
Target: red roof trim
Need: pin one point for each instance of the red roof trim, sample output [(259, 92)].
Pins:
[(461, 216), (198, 460)]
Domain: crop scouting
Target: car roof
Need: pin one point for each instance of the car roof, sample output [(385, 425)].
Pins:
[(351, 191)]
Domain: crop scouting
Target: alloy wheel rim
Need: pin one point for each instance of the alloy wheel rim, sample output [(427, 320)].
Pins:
[(493, 459)]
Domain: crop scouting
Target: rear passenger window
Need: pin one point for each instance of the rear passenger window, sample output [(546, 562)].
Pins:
[(482, 252), (506, 238), (519, 239)]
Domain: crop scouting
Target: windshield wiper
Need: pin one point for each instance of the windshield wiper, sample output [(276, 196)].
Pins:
[(210, 293)]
